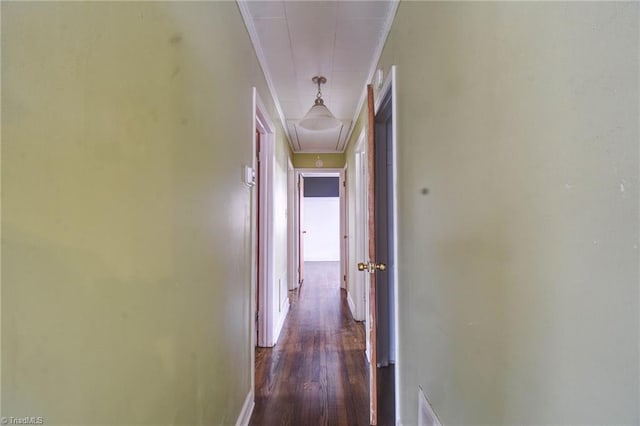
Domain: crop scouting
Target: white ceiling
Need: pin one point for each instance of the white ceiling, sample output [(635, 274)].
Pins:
[(297, 40)]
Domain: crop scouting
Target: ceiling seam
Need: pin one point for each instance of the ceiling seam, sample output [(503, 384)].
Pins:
[(333, 53)]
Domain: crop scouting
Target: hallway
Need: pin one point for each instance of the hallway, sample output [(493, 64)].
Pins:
[(317, 372)]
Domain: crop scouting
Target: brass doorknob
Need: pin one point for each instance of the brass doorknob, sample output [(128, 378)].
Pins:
[(371, 267)]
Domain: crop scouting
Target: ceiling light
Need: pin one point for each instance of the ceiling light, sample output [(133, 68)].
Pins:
[(319, 117)]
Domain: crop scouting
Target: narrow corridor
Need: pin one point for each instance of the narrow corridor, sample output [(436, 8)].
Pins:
[(317, 372)]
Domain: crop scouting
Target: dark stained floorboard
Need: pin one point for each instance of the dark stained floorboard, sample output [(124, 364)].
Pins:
[(317, 373)]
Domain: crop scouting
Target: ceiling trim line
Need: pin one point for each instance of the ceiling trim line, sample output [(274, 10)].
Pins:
[(295, 128), (339, 135), (257, 48), (372, 68), (346, 139)]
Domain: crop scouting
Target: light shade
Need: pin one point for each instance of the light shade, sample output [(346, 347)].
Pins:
[(319, 118)]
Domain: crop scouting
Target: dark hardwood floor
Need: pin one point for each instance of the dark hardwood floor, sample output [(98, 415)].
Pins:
[(317, 373)]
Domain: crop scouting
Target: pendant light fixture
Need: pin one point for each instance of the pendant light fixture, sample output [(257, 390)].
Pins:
[(319, 117)]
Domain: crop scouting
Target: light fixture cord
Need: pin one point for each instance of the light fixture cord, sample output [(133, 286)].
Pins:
[(319, 100)]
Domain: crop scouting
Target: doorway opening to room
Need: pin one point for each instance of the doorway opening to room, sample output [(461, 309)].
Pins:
[(320, 224), (381, 266), (385, 231), (376, 247)]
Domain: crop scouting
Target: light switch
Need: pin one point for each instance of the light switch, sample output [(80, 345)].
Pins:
[(249, 176)]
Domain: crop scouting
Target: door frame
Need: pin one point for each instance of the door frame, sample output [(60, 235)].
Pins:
[(387, 90), (266, 261), (344, 228), (291, 230), (360, 296), (309, 172)]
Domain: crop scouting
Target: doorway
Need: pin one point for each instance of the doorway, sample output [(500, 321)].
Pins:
[(324, 209), (321, 221), (384, 215), (379, 261), (385, 228), (270, 306)]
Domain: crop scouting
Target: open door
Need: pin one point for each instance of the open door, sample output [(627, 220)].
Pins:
[(301, 230), (370, 265), (382, 249)]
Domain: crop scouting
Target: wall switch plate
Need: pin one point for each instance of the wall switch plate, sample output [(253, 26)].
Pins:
[(248, 176), (379, 79)]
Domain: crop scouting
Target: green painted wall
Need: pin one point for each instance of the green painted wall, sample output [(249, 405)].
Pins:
[(125, 223), (308, 161), (519, 270)]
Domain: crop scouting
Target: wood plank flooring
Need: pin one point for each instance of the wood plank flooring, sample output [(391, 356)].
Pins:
[(317, 373)]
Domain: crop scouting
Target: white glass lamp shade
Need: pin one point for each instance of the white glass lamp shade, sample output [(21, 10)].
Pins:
[(319, 118)]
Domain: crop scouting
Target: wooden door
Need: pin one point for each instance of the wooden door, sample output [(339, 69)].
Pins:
[(373, 371), (378, 206)]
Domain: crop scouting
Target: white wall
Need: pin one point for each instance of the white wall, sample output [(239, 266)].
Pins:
[(322, 223)]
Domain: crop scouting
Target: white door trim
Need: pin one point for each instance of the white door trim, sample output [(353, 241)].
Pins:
[(291, 228), (307, 172), (361, 237), (389, 89), (344, 228), (266, 260)]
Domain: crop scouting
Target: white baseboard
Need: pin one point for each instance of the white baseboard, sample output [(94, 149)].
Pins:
[(247, 410), (352, 305), (283, 316)]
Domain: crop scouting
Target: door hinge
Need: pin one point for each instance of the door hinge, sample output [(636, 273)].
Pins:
[(344, 277)]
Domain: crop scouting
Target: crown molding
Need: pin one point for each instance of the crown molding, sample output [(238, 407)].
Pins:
[(374, 64), (253, 35)]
